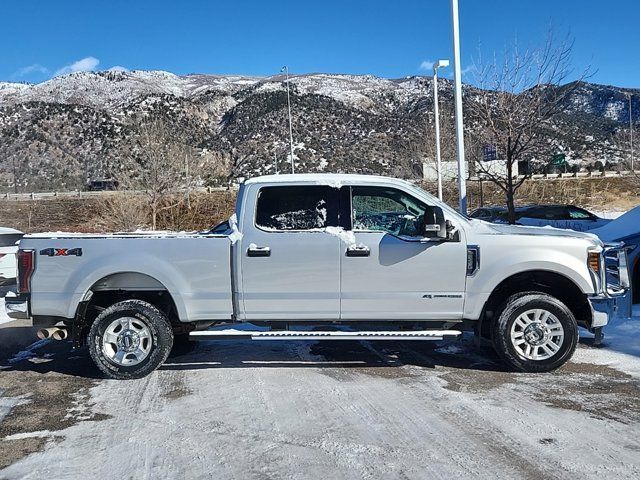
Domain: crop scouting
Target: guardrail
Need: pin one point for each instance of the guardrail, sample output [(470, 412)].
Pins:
[(569, 176), (86, 194)]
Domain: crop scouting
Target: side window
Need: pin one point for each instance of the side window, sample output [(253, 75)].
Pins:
[(296, 208), (559, 213), (579, 214), (9, 239), (534, 213), (481, 213), (386, 210)]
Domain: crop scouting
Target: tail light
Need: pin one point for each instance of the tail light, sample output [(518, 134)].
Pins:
[(26, 265)]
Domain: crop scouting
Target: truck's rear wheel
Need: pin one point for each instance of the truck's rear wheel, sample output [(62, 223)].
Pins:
[(130, 339), (535, 332)]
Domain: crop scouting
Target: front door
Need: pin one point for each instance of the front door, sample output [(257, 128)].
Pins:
[(389, 274), (290, 263)]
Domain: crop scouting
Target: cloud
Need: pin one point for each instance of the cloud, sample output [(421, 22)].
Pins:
[(464, 72), (427, 65), (35, 68), (468, 69), (118, 68), (86, 64)]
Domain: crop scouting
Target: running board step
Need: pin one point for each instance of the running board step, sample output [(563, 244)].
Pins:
[(323, 335)]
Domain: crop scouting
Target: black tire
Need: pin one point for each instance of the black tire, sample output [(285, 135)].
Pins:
[(509, 313), (161, 337)]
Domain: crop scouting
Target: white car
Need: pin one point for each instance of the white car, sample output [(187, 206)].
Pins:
[(322, 257), (9, 239)]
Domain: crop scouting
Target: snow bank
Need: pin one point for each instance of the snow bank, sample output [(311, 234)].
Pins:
[(621, 347)]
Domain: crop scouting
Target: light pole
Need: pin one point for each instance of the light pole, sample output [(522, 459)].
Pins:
[(275, 159), (438, 64), (630, 131), (286, 70), (457, 77)]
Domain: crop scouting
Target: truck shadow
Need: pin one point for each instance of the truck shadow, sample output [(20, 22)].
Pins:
[(47, 356), (332, 354), (57, 357)]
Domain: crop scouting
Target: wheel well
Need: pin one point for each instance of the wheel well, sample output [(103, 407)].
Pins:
[(552, 283), (127, 286)]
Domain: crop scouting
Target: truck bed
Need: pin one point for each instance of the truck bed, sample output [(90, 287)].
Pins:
[(194, 268)]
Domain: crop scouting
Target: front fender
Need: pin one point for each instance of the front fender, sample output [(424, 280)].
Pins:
[(492, 273)]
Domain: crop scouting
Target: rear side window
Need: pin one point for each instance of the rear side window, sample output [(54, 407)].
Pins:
[(297, 208), (9, 239), (579, 214)]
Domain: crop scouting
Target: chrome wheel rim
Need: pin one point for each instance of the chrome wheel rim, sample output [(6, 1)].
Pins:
[(537, 334), (127, 341)]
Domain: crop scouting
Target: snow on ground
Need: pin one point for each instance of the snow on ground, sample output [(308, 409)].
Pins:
[(621, 349), (354, 410)]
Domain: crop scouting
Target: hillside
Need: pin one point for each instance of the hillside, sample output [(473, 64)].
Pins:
[(56, 134)]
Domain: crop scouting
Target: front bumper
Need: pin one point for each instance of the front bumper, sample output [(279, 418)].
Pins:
[(614, 300), (17, 307), (605, 308)]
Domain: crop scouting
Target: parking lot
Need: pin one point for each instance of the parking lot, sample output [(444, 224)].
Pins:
[(309, 410)]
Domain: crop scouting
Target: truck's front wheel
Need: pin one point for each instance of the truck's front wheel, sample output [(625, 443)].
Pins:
[(535, 332), (130, 339)]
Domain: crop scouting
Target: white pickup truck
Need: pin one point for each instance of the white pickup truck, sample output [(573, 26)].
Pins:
[(323, 257)]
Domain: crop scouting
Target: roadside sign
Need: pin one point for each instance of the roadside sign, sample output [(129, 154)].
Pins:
[(559, 159), (489, 153)]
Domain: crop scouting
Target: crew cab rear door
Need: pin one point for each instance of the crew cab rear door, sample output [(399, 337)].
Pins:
[(290, 266), (389, 273)]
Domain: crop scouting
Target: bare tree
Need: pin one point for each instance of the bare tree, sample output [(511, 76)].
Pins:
[(123, 212), (162, 166), (518, 97)]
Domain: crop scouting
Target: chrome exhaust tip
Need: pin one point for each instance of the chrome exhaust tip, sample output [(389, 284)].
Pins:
[(60, 334), (45, 333)]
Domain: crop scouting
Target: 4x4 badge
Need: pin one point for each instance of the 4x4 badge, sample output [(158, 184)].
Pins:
[(61, 252)]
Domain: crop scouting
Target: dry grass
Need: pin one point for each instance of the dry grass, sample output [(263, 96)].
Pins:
[(114, 212), (592, 193)]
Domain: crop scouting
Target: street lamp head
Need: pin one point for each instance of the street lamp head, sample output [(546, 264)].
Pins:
[(441, 64)]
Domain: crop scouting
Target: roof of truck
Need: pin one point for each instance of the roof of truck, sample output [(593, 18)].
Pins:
[(332, 179)]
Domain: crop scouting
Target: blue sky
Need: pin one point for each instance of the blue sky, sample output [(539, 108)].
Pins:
[(391, 39)]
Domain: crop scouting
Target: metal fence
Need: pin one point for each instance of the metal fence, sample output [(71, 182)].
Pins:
[(86, 194)]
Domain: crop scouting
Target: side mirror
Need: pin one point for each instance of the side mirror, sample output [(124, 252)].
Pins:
[(434, 225)]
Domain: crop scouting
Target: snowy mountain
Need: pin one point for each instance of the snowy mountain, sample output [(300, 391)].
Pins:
[(58, 133)]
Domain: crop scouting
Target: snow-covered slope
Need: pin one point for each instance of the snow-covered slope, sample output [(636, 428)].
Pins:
[(78, 126)]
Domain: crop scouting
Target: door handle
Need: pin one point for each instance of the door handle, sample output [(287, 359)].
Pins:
[(358, 251), (256, 251)]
